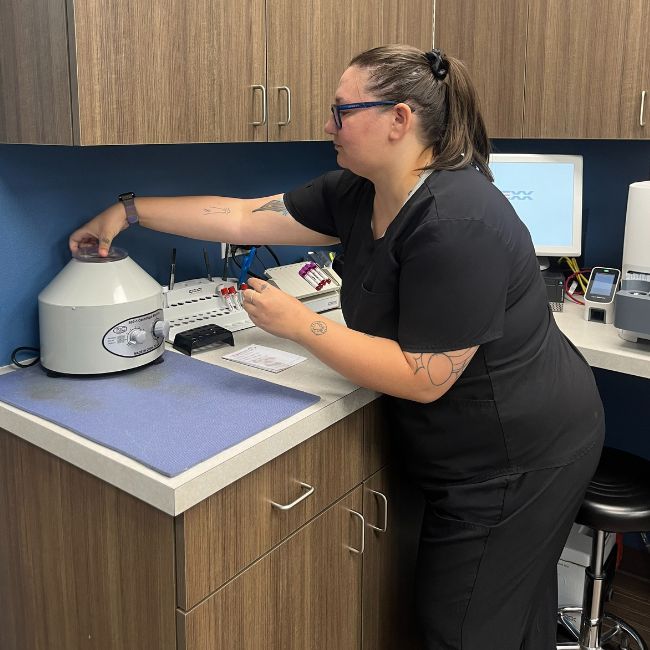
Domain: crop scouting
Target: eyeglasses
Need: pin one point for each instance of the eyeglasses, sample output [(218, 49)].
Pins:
[(337, 109)]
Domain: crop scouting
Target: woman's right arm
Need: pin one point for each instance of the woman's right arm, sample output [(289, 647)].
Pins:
[(261, 221)]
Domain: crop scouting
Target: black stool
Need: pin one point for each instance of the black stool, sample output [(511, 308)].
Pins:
[(617, 501)]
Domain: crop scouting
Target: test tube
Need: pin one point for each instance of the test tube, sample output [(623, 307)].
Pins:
[(232, 292), (307, 273), (319, 273), (311, 281), (226, 299)]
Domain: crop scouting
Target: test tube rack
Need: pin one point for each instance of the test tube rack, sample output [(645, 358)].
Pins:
[(197, 302), (290, 281)]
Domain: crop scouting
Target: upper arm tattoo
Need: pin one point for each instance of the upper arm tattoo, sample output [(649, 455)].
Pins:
[(276, 205), (442, 367)]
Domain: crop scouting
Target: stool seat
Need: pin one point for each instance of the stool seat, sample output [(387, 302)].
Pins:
[(618, 497)]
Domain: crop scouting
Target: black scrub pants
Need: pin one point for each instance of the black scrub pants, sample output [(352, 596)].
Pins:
[(487, 563)]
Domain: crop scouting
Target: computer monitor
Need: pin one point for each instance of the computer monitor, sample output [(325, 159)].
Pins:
[(546, 192)]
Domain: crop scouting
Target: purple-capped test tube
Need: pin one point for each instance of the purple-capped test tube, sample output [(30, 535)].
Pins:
[(319, 273), (303, 273)]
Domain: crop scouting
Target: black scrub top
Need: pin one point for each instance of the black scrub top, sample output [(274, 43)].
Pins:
[(456, 268)]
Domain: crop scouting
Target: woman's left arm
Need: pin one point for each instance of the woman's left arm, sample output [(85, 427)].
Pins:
[(376, 363)]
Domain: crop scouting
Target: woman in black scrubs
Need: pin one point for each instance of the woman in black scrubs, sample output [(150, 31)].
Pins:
[(495, 413)]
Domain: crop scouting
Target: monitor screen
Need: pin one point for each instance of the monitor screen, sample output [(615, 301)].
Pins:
[(546, 192)]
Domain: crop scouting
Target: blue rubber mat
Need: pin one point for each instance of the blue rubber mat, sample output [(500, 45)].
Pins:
[(168, 416)]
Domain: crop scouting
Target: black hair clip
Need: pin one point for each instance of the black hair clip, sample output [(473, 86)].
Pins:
[(438, 63)]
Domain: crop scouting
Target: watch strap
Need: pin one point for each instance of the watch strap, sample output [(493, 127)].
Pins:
[(128, 201)]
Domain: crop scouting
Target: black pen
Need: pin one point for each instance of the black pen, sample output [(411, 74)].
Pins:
[(207, 264), (173, 270)]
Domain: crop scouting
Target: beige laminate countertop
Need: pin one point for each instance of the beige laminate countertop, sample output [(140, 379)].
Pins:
[(600, 344), (339, 398)]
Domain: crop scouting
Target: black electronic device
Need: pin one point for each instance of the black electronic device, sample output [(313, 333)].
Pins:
[(600, 294), (200, 337), (603, 283), (554, 282)]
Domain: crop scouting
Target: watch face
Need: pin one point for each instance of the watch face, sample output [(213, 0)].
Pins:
[(126, 196)]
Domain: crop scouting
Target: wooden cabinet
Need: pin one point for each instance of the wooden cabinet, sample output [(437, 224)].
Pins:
[(303, 595), (392, 509), (165, 71), (554, 68), (85, 565), (311, 590), (143, 71), (34, 74), (321, 470), (490, 38), (310, 44), (588, 64)]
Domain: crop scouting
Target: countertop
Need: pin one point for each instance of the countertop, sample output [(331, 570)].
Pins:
[(599, 343), (173, 496)]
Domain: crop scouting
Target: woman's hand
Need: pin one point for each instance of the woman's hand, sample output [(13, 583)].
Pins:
[(274, 310), (100, 231)]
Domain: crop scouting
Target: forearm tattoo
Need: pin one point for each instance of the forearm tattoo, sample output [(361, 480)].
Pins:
[(213, 209), (318, 327), (441, 367), (274, 206)]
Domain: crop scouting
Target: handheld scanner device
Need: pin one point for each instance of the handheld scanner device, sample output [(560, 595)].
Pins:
[(600, 294)]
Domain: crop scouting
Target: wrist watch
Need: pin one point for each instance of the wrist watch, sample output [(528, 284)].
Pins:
[(128, 201)]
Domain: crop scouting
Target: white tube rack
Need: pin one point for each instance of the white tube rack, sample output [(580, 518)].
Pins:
[(193, 303)]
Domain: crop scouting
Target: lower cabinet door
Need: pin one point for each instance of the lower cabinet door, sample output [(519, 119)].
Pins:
[(392, 509), (305, 594)]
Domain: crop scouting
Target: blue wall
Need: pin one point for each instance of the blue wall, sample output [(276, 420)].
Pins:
[(46, 192)]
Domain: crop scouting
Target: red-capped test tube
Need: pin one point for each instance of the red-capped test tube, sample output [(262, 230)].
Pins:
[(242, 288), (226, 298), (232, 292)]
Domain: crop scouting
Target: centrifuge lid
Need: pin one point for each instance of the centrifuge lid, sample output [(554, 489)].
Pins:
[(90, 280), (91, 254)]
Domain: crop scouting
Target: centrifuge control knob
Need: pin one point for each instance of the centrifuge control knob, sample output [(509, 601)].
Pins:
[(137, 336), (161, 328)]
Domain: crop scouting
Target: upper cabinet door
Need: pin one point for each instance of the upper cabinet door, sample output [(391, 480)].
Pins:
[(34, 78), (489, 36), (586, 60), (310, 43), (150, 71)]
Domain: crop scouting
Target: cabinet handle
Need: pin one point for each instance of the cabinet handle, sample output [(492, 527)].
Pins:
[(310, 491), (384, 526), (263, 89), (287, 90), (359, 551), (641, 120)]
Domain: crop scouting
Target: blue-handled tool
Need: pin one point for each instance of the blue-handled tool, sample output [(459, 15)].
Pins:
[(246, 264)]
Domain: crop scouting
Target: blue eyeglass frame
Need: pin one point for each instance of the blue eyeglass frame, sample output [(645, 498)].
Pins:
[(337, 109)]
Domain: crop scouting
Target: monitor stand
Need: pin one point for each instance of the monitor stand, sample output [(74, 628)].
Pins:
[(544, 263)]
